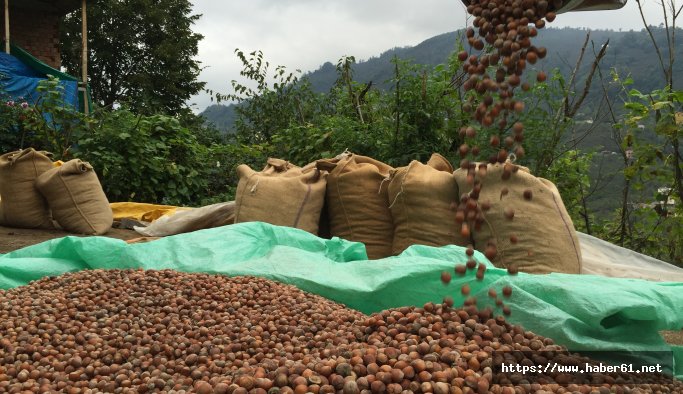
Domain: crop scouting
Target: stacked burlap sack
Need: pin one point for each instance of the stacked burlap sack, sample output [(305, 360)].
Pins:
[(356, 201), (422, 198), (389, 209), (281, 194), (36, 193)]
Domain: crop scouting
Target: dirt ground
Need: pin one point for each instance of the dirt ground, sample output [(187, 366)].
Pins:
[(673, 337), (16, 238)]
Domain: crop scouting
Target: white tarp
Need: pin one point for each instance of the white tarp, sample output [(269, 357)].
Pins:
[(603, 258)]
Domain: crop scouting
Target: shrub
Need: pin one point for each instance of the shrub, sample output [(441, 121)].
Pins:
[(145, 158)]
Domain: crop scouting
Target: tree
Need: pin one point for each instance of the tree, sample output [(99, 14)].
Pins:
[(270, 106), (649, 136), (140, 52)]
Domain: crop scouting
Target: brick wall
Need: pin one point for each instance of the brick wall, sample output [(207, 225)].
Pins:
[(36, 32)]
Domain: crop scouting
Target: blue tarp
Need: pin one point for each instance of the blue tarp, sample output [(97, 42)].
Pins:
[(19, 82)]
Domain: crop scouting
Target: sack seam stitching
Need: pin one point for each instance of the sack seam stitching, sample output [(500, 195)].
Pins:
[(73, 201)]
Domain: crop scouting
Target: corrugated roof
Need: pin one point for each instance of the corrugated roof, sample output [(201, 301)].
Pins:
[(59, 6)]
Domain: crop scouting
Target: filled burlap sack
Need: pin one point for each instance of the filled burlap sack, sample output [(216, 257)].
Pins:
[(546, 238), (422, 199), (21, 203), (76, 198), (357, 202), (282, 194)]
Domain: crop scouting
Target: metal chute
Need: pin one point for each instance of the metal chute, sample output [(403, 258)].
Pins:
[(590, 5), (581, 5)]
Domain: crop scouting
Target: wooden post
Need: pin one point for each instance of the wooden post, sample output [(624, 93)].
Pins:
[(7, 47), (84, 55)]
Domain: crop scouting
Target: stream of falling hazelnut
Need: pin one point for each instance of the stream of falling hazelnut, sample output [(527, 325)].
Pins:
[(507, 26)]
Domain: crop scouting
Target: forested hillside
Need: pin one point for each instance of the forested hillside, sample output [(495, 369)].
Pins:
[(630, 52)]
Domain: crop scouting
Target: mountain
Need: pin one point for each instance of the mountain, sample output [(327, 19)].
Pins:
[(220, 116), (630, 52)]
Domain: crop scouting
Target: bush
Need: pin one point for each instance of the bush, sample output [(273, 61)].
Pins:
[(145, 158), (12, 115), (46, 124), (155, 159)]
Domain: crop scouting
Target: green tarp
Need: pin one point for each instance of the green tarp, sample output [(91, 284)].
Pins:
[(583, 312)]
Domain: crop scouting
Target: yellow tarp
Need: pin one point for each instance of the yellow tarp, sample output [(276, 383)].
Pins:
[(142, 211)]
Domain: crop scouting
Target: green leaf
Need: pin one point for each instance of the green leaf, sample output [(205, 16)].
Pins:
[(636, 107), (635, 93), (661, 105)]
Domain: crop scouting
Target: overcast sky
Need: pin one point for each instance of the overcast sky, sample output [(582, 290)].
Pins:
[(304, 34)]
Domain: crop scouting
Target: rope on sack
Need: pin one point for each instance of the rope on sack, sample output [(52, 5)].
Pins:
[(402, 183), (344, 154), (396, 198), (253, 188), (382, 184)]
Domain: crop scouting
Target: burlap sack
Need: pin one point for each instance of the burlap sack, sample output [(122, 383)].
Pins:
[(185, 221), (547, 241), (421, 205), (282, 194), (22, 204), (76, 198), (440, 163), (357, 202)]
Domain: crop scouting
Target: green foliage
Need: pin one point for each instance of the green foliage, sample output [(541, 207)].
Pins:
[(206, 133), (303, 126), (221, 169), (157, 159), (653, 220), (570, 173), (276, 102), (12, 117), (146, 158), (422, 111), (47, 124), (330, 136), (658, 234), (55, 123), (141, 52)]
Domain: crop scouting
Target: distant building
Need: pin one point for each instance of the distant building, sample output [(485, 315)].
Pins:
[(664, 206), (34, 26), (664, 192)]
